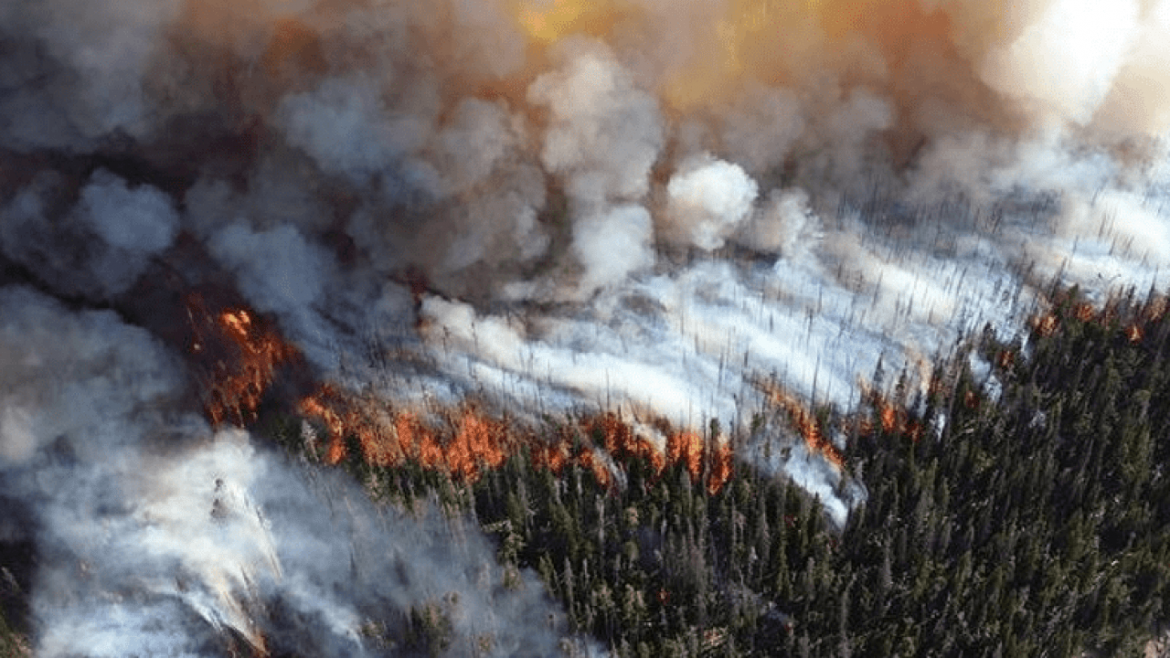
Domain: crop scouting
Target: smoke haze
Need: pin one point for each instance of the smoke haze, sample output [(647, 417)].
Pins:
[(550, 205)]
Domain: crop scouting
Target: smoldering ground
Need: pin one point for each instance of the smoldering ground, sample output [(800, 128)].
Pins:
[(551, 204)]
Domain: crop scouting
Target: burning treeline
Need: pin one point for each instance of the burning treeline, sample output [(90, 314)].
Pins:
[(238, 355), (463, 440), (241, 355)]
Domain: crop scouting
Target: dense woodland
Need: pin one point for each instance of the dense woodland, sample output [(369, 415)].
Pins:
[(1018, 508)]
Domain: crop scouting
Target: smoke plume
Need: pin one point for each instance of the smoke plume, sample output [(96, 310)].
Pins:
[(549, 205)]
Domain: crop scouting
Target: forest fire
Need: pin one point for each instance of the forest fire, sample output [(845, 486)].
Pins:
[(239, 353), (802, 420), (475, 239), (1132, 318), (711, 456), (893, 419), (1134, 333), (890, 416), (468, 441), (620, 441)]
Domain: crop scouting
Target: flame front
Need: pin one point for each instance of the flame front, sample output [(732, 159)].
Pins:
[(469, 442)]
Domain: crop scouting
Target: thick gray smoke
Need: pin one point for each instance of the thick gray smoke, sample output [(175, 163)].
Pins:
[(550, 205), (112, 232)]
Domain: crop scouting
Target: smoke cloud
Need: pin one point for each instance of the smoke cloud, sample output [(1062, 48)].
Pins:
[(706, 202), (155, 534), (549, 205)]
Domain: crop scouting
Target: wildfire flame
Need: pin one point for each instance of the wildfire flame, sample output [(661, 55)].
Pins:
[(240, 354), (1134, 333), (1131, 318), (893, 419), (891, 416), (802, 420), (469, 441)]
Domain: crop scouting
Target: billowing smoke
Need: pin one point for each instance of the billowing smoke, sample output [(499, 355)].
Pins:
[(114, 232), (155, 534), (548, 204)]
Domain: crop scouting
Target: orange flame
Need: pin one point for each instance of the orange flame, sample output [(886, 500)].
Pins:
[(804, 421), (721, 466), (1045, 325), (471, 442), (1134, 333), (686, 448), (893, 419), (240, 354), (590, 459), (553, 456), (620, 441), (1117, 315), (888, 416), (1085, 312)]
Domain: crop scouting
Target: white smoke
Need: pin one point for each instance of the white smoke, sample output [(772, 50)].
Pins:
[(707, 201), (1065, 60), (613, 244), (349, 130), (784, 225), (279, 271), (761, 128)]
